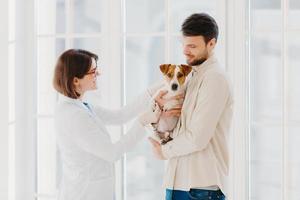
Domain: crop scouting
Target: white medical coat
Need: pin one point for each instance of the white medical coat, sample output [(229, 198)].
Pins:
[(86, 150)]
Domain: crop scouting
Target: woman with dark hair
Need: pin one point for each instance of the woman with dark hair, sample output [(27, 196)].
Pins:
[(87, 153)]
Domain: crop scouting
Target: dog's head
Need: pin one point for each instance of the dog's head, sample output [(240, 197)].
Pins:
[(175, 75)]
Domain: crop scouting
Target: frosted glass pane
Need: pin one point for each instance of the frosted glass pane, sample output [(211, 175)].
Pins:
[(266, 78), (294, 4), (46, 157), (294, 14), (294, 163), (48, 51), (87, 16), (265, 4), (264, 13), (143, 57), (293, 115), (294, 18), (11, 18), (145, 16), (60, 16), (293, 78), (11, 82), (91, 44), (11, 162), (176, 51), (51, 16), (180, 10), (263, 20), (265, 163)]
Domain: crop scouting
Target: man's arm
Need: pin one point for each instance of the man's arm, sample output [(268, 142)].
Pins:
[(212, 98)]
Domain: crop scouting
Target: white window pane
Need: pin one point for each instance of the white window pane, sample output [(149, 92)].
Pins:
[(266, 78), (11, 18), (87, 16), (50, 16), (60, 16), (266, 163), (48, 51), (265, 4), (143, 57), (264, 13), (11, 82), (46, 157), (176, 50), (60, 47), (93, 45), (11, 162), (294, 18), (294, 163), (263, 20), (294, 4), (294, 14), (145, 16), (180, 10), (293, 79)]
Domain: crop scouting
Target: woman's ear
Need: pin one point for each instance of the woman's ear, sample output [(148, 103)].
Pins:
[(76, 81)]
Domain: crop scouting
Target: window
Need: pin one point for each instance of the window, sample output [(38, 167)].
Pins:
[(274, 99)]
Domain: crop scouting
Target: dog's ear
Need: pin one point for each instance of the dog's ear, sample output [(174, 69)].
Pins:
[(186, 69), (164, 68)]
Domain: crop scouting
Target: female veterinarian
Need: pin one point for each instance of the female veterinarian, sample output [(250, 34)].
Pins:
[(87, 153)]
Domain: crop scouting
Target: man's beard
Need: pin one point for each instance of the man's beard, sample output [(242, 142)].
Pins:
[(199, 61)]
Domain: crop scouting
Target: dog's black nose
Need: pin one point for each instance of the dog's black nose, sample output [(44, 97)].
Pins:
[(174, 86)]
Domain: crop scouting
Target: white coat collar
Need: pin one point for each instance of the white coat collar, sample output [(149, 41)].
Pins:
[(63, 98)]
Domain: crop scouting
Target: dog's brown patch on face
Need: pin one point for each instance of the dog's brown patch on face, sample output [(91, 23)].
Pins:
[(164, 68), (181, 77), (183, 72), (168, 70), (186, 69)]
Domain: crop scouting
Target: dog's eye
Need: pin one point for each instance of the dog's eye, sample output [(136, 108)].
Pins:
[(169, 75), (179, 75)]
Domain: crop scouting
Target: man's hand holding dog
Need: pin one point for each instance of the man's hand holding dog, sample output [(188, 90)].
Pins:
[(161, 101), (156, 148)]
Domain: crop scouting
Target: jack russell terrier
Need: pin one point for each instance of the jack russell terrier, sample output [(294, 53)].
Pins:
[(175, 82)]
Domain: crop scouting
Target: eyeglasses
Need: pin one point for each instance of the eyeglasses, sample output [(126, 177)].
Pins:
[(93, 71)]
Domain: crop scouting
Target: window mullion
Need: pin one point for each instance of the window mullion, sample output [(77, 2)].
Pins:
[(285, 123), (4, 168)]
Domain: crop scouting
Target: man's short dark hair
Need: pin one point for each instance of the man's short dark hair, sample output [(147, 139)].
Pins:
[(200, 24)]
